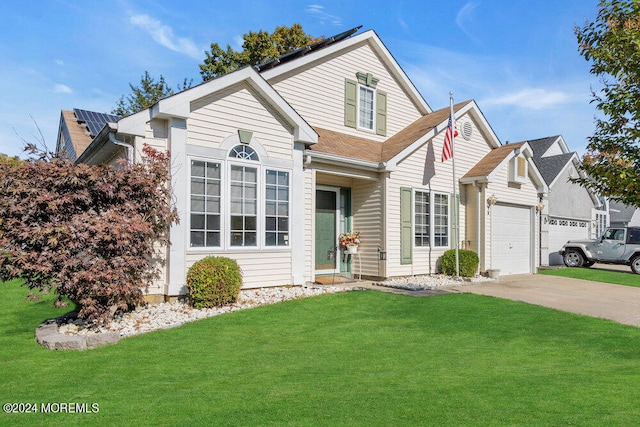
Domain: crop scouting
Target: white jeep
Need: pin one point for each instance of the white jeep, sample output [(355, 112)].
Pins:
[(619, 245)]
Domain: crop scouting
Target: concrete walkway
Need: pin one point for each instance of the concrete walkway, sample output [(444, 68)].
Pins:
[(614, 302)]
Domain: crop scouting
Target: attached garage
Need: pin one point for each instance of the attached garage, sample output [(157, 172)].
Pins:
[(562, 230), (511, 239)]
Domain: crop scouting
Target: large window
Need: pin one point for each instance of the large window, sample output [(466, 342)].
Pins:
[(205, 204), (366, 111), (277, 208), (238, 202), (243, 205), (431, 219)]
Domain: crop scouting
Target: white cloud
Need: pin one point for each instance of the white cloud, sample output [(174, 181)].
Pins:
[(163, 35), (60, 88), (238, 41), (531, 98), (59, 62), (318, 12), (465, 19)]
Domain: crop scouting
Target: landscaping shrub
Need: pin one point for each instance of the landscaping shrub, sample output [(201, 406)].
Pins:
[(86, 232), (213, 282), (468, 261)]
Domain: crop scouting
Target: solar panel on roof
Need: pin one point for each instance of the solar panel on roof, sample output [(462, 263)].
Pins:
[(94, 121)]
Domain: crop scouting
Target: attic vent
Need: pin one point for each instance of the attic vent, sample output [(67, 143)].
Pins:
[(466, 130)]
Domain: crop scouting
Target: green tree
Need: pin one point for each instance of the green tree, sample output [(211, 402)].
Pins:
[(144, 96), (612, 44), (258, 47)]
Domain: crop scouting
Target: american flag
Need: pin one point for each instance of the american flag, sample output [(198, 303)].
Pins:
[(447, 148)]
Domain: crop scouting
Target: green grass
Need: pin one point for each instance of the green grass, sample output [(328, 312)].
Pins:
[(358, 358), (594, 274)]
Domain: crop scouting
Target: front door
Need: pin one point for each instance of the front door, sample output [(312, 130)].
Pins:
[(327, 222)]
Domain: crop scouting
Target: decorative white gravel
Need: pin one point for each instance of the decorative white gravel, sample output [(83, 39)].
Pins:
[(169, 315), (420, 283)]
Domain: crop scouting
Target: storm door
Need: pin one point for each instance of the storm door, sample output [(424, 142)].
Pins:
[(327, 223)]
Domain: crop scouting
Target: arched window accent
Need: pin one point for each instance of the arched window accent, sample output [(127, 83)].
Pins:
[(243, 152)]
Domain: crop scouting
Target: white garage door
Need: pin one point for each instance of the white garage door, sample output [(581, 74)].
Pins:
[(511, 239), (562, 230)]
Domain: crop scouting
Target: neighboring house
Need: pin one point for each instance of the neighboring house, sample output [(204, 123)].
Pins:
[(271, 163), (570, 211), (624, 216)]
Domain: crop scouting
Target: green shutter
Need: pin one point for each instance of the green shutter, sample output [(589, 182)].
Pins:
[(381, 113), (406, 218), (350, 103)]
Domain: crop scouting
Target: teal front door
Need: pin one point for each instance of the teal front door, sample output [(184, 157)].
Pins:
[(327, 210)]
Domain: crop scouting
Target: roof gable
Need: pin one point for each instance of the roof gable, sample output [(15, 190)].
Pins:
[(78, 128), (390, 152), (486, 169), (351, 42), (179, 105)]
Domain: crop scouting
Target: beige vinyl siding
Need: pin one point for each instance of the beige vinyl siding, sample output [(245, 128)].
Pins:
[(259, 268), (309, 221), (367, 200), (423, 171), (322, 105), (216, 117)]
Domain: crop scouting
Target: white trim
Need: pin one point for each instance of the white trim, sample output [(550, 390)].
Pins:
[(225, 205), (373, 92), (431, 194)]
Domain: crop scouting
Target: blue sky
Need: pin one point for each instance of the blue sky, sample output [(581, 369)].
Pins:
[(517, 58)]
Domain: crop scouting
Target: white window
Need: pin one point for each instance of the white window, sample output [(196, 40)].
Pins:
[(205, 204), (366, 108), (422, 219), (243, 202), (431, 219), (250, 210), (277, 208), (440, 220)]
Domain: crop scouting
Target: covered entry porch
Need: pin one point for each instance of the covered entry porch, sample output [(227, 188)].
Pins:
[(346, 201)]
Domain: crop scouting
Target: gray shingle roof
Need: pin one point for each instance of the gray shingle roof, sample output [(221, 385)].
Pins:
[(549, 166), (619, 212)]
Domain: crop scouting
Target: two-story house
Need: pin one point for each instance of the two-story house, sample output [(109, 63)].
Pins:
[(271, 163)]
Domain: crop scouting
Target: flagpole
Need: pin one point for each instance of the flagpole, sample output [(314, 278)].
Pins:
[(455, 190)]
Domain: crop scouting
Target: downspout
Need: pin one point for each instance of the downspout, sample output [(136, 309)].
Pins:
[(128, 147), (479, 213)]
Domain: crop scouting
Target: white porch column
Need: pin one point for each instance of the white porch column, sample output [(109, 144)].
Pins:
[(178, 234)]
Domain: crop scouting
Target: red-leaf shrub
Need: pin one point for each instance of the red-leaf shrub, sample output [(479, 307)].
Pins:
[(87, 232)]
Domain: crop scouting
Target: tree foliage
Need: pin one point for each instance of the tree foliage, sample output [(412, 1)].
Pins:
[(612, 44), (144, 96), (87, 232), (258, 47)]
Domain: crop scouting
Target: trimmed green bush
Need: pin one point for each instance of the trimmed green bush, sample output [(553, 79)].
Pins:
[(214, 282), (468, 261)]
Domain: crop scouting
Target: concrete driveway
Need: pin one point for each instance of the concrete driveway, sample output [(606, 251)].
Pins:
[(614, 302)]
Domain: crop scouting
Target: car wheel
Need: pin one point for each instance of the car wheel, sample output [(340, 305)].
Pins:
[(635, 265), (573, 258)]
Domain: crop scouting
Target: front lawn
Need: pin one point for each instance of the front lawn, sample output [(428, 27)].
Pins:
[(594, 274), (357, 358)]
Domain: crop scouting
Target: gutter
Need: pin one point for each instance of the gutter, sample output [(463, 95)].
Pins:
[(128, 147), (342, 161)]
